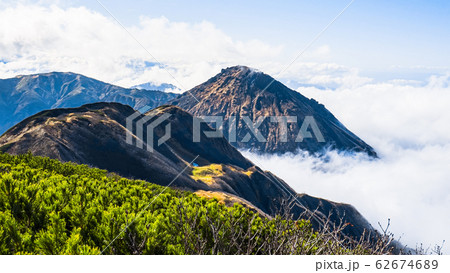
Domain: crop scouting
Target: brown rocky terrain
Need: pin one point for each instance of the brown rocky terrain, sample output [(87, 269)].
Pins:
[(242, 92)]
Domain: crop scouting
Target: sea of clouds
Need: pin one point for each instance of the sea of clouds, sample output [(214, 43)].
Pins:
[(408, 125)]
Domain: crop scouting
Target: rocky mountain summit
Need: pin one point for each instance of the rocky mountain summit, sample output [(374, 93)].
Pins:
[(244, 97)]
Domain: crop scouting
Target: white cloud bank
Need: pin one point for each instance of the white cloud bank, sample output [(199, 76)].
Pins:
[(408, 125)]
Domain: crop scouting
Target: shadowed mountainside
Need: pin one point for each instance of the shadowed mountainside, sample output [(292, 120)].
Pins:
[(95, 134)]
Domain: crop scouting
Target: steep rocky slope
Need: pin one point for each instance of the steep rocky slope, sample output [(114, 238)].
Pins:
[(242, 92)]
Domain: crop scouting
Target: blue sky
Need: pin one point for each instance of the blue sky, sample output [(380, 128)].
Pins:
[(384, 39), (381, 40)]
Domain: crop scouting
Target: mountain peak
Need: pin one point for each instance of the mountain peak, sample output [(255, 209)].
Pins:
[(166, 87), (240, 71), (243, 93), (241, 68), (48, 74)]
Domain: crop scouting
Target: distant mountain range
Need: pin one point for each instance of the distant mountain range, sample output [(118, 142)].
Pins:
[(23, 96), (95, 134), (166, 87), (238, 92)]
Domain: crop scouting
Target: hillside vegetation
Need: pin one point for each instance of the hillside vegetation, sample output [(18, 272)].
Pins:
[(49, 207)]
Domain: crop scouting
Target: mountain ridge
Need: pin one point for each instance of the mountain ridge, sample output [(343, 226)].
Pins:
[(26, 95), (94, 134), (241, 92)]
